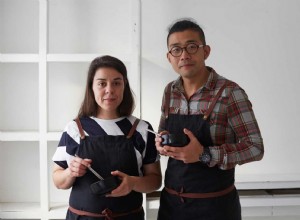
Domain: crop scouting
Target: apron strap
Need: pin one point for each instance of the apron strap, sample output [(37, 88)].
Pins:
[(167, 100), (82, 135), (206, 114), (214, 101), (132, 130), (106, 213), (200, 195)]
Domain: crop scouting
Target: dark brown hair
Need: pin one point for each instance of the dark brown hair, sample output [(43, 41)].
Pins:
[(89, 106)]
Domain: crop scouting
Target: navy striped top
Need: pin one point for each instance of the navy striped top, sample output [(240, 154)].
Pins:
[(143, 140)]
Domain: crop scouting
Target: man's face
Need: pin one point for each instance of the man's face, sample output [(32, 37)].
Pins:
[(188, 65)]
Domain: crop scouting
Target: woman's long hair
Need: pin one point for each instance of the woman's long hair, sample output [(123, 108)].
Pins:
[(89, 106)]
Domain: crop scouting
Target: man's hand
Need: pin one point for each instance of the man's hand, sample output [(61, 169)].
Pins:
[(158, 141), (189, 153)]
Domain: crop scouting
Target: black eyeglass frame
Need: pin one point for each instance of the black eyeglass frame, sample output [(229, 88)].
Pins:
[(186, 49)]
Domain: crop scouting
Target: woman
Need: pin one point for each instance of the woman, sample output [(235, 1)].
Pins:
[(107, 138)]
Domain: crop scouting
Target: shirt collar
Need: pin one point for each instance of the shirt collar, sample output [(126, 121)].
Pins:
[(212, 79), (210, 83)]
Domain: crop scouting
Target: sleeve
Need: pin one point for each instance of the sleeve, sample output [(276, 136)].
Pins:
[(68, 145), (248, 145), (151, 154)]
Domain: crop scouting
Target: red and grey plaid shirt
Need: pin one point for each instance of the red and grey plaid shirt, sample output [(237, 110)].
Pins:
[(233, 127)]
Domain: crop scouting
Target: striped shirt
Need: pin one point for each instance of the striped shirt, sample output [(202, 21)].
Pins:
[(233, 127), (144, 142)]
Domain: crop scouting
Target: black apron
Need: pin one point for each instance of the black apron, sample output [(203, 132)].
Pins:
[(108, 153), (197, 178)]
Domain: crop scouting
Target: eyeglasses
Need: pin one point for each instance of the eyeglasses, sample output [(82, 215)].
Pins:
[(191, 48)]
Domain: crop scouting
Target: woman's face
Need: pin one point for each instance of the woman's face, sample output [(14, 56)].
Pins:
[(108, 88)]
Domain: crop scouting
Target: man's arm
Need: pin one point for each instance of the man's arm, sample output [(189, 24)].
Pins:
[(249, 143)]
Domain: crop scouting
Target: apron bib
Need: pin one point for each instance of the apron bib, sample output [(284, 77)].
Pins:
[(108, 153), (197, 178)]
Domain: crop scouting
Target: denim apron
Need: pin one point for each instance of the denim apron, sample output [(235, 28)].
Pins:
[(197, 178), (108, 153)]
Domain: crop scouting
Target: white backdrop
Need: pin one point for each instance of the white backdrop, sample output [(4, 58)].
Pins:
[(254, 43)]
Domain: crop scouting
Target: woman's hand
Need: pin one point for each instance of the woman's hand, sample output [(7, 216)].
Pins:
[(78, 166), (126, 186), (64, 178), (150, 181)]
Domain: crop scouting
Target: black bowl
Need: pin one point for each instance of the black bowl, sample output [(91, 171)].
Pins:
[(175, 140), (105, 186)]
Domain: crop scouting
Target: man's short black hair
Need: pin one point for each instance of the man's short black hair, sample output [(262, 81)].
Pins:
[(186, 24)]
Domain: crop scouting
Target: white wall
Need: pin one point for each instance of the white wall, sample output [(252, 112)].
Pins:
[(254, 43)]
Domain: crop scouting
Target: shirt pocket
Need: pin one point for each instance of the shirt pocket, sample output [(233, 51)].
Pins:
[(219, 114)]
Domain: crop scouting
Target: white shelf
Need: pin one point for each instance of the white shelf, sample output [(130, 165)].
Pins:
[(31, 210), (270, 200), (19, 136), (58, 211), (51, 64), (257, 205), (82, 57), (274, 181), (28, 136), (19, 58), (20, 210), (53, 136)]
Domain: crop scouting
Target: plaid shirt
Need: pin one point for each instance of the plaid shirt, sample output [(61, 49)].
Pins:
[(234, 130)]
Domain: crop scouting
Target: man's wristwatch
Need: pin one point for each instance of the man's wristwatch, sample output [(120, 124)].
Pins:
[(205, 157)]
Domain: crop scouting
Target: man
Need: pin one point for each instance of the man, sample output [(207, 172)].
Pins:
[(217, 117)]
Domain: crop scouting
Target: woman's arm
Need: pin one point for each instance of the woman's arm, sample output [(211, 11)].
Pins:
[(151, 180), (64, 178)]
